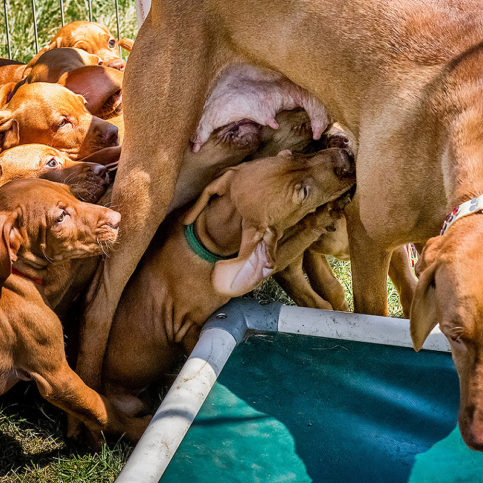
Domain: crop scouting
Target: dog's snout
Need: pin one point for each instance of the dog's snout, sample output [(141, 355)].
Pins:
[(344, 164), (113, 218), (118, 64), (99, 170), (471, 425), (107, 133)]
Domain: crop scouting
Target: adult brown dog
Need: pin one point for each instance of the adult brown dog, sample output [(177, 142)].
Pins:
[(43, 224), (404, 76), (227, 219), (53, 115)]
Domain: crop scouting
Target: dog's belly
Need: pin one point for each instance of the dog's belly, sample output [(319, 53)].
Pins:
[(245, 91)]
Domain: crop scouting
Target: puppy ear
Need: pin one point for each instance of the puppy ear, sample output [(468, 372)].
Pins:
[(423, 308), (10, 241), (9, 132), (219, 187), (80, 44), (6, 92), (126, 44), (254, 263)]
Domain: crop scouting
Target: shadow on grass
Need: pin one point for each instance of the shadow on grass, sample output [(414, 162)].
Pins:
[(34, 447)]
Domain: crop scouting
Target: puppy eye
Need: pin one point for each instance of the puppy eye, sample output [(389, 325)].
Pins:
[(303, 191), (61, 217), (63, 123), (456, 339), (52, 163), (111, 43)]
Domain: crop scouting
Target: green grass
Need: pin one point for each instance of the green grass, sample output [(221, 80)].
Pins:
[(49, 21)]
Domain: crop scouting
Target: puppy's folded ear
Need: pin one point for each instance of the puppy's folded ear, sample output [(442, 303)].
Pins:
[(9, 244), (126, 44), (99, 85), (9, 132), (423, 309), (218, 187), (254, 263)]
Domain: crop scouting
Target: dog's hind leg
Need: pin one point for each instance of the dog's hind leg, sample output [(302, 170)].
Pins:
[(164, 94)]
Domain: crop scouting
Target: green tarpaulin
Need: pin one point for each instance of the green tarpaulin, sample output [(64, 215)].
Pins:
[(295, 408)]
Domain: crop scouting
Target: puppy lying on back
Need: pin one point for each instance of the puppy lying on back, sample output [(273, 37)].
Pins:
[(247, 224), (53, 115)]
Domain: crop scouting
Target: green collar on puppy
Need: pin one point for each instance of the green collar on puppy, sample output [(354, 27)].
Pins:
[(200, 250)]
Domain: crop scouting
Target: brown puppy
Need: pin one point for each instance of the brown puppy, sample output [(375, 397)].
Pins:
[(251, 240), (81, 73), (88, 181), (399, 74), (43, 224), (92, 37), (53, 115)]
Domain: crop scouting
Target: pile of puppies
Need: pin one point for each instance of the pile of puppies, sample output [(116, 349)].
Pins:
[(278, 213)]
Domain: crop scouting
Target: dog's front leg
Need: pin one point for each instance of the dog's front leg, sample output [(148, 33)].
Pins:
[(369, 263), (165, 84)]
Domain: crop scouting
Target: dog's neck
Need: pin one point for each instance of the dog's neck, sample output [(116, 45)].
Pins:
[(458, 107), (51, 281), (218, 227)]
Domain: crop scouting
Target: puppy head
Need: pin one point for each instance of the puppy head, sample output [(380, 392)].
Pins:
[(56, 226), (271, 195), (31, 161), (53, 115), (88, 181), (450, 291), (92, 37)]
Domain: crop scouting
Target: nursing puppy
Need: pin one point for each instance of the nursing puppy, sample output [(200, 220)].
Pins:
[(231, 240)]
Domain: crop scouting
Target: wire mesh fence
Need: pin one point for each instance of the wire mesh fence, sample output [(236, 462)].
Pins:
[(28, 25)]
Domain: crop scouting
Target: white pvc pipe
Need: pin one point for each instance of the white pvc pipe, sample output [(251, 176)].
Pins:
[(179, 408), (358, 327)]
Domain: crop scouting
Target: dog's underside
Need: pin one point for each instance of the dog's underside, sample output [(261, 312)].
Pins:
[(399, 74)]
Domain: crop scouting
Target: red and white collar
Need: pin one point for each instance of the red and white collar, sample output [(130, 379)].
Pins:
[(467, 208)]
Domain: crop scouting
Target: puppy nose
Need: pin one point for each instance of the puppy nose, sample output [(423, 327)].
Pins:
[(111, 135), (344, 164), (99, 170), (113, 218), (118, 64)]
